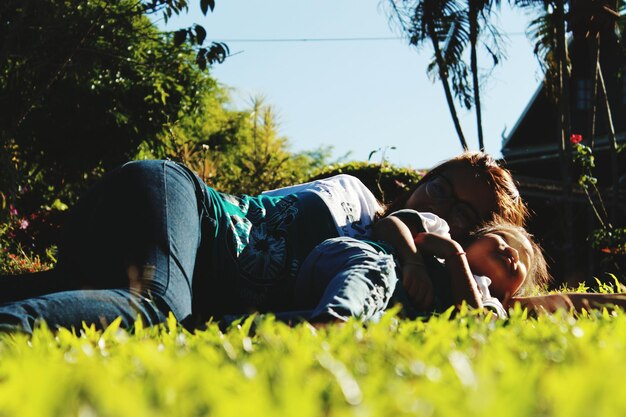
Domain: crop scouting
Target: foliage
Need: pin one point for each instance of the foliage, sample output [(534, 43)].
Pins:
[(235, 151), (18, 251), (385, 181), (607, 238), (610, 240), (195, 36), (82, 84), (553, 365), (451, 27), (542, 31)]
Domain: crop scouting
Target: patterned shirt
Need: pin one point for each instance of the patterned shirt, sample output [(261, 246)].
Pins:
[(259, 242)]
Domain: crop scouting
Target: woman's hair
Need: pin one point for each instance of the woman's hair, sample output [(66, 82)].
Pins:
[(510, 206), (537, 275)]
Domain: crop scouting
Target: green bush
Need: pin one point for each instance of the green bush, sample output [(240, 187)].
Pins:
[(386, 182)]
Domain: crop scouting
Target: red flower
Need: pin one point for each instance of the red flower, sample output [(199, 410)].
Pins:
[(575, 138)]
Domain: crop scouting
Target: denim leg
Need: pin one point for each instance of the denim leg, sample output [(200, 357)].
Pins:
[(345, 277), (138, 229), (71, 308), (142, 232)]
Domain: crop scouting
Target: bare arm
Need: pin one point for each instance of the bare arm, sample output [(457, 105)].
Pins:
[(408, 242), (463, 285), (415, 279), (569, 301)]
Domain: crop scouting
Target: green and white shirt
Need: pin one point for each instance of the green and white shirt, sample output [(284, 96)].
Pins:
[(259, 242)]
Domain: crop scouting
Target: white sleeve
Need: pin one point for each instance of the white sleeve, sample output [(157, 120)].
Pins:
[(430, 221), (351, 204), (483, 282), (435, 224)]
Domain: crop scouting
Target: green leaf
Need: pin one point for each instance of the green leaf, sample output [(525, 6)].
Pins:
[(200, 34), (201, 59), (180, 36), (205, 5)]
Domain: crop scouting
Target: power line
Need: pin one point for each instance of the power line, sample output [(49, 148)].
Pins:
[(312, 40), (268, 40)]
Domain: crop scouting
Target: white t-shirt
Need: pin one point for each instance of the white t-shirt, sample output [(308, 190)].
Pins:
[(350, 203)]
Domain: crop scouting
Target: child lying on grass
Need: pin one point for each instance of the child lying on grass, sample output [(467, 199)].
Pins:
[(358, 278), (498, 262)]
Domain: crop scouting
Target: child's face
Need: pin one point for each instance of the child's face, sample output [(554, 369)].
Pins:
[(504, 258)]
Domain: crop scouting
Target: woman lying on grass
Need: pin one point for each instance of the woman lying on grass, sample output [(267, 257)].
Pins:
[(150, 238)]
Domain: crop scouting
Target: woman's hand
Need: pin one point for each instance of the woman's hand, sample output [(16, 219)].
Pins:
[(569, 301), (418, 285)]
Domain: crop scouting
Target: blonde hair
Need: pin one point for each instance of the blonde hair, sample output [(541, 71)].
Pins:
[(537, 275), (510, 206)]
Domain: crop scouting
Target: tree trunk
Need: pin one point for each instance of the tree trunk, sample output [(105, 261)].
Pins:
[(443, 75), (595, 57), (612, 146), (473, 25), (564, 132)]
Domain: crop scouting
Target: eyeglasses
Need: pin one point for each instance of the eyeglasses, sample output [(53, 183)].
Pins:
[(461, 214)]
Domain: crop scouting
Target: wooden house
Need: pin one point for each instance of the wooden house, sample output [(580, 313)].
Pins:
[(562, 220)]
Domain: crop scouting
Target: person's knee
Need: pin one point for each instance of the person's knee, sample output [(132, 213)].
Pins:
[(342, 256)]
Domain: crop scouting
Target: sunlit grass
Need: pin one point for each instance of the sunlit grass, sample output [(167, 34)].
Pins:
[(467, 366)]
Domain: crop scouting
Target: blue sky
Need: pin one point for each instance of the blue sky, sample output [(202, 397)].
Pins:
[(358, 96)]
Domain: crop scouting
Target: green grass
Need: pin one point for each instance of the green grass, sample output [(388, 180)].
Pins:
[(554, 365)]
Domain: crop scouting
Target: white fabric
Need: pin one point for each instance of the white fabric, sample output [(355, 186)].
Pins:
[(351, 204), (483, 283), (435, 224)]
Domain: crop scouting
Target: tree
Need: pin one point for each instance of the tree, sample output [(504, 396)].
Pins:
[(440, 22), (453, 26), (236, 151), (479, 12), (195, 35), (82, 84)]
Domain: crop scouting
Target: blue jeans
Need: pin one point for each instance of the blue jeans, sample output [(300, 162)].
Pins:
[(130, 249), (341, 278)]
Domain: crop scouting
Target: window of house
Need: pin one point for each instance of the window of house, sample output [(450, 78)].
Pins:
[(584, 94)]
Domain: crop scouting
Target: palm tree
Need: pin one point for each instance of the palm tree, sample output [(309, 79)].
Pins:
[(450, 26), (548, 31), (479, 12), (442, 23)]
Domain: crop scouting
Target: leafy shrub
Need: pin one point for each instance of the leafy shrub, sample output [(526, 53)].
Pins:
[(385, 181), (235, 151), (25, 240)]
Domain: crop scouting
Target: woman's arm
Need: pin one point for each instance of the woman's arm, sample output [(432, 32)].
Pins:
[(569, 301), (462, 282), (408, 241)]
